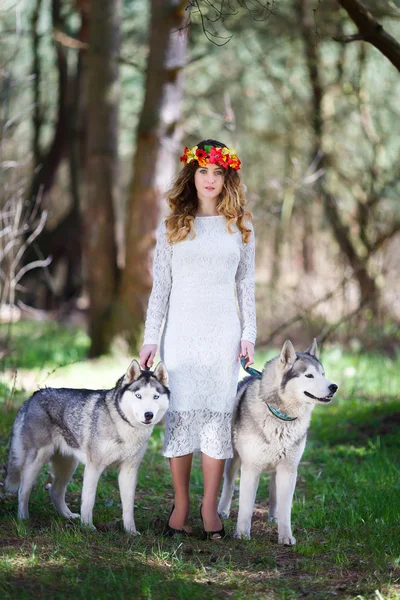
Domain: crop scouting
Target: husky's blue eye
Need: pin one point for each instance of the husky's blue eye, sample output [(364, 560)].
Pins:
[(156, 397), (310, 376), (138, 395)]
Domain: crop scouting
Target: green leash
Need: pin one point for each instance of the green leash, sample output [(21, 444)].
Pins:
[(258, 375)]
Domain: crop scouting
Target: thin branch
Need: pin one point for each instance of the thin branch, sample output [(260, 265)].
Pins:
[(301, 317), (30, 240), (68, 41), (33, 265), (384, 237), (372, 31), (347, 39), (327, 331)]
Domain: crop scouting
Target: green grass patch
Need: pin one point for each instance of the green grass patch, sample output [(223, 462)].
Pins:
[(38, 345), (346, 515)]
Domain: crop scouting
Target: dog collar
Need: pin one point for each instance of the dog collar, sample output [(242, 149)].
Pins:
[(282, 416), (258, 375)]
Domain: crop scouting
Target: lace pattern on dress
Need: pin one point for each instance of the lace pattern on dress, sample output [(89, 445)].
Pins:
[(194, 286), (245, 288), (162, 282), (198, 430)]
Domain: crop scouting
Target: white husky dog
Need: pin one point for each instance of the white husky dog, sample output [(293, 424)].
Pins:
[(269, 434), (101, 428)]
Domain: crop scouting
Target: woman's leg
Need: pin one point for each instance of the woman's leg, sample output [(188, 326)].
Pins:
[(180, 471), (213, 470)]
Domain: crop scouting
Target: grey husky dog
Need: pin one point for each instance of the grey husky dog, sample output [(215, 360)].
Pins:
[(269, 434), (100, 428)]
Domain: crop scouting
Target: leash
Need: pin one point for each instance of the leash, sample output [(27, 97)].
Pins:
[(258, 375)]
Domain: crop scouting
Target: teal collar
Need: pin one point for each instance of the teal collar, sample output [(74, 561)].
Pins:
[(282, 416), (258, 375)]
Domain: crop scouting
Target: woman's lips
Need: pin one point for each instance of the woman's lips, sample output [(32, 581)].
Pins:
[(209, 188)]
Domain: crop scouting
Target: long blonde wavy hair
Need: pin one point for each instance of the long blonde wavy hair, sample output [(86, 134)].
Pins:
[(183, 202)]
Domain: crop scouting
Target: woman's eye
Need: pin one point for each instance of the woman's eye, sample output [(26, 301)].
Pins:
[(156, 397), (138, 395), (310, 376)]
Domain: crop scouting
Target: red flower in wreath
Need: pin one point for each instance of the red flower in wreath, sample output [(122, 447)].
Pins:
[(183, 158), (202, 157), (201, 153), (216, 156)]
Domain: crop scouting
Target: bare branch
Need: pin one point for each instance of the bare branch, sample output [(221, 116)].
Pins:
[(346, 39), (37, 231), (220, 9), (385, 237), (371, 31), (33, 265)]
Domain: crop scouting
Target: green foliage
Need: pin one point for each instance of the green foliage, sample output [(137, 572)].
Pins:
[(42, 344)]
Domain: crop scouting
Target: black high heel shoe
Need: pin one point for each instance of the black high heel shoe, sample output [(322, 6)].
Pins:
[(171, 531), (209, 535)]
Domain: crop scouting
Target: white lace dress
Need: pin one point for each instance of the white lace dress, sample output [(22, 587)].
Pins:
[(194, 283)]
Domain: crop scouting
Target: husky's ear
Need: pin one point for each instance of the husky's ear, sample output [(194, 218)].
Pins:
[(161, 373), (288, 354), (132, 373), (313, 349)]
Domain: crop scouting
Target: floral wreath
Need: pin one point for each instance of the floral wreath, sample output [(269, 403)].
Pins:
[(224, 157)]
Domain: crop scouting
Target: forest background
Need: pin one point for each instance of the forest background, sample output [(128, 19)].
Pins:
[(97, 100)]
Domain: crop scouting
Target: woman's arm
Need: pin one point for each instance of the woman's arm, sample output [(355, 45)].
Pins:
[(162, 281), (245, 288)]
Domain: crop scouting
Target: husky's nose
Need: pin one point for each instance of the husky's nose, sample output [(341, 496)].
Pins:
[(148, 416), (333, 387)]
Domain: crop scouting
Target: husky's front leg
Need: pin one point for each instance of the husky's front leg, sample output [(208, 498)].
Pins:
[(248, 488), (285, 483), (127, 479), (272, 507), (91, 478), (231, 468)]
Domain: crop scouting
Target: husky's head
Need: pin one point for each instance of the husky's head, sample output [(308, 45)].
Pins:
[(144, 395), (303, 376)]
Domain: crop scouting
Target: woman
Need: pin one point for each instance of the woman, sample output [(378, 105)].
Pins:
[(204, 246)]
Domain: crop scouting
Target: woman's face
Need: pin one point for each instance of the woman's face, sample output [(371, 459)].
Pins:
[(209, 181)]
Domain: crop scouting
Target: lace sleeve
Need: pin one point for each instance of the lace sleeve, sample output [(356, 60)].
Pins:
[(245, 289), (162, 280)]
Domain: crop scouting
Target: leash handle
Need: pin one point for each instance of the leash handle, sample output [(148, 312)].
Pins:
[(253, 372)]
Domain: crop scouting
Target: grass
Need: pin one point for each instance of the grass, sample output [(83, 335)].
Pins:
[(346, 511)]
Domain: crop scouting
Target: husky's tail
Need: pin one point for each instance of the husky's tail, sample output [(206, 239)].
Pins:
[(15, 458)]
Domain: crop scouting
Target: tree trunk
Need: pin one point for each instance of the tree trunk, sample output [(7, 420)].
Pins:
[(157, 147), (367, 285), (44, 177), (97, 206), (36, 69), (63, 243)]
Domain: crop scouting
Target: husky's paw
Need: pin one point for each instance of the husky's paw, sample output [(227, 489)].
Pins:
[(287, 540), (67, 514), (71, 515), (132, 531), (224, 514), (88, 526), (272, 518), (241, 535)]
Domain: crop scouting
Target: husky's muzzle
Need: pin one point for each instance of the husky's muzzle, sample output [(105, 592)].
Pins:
[(332, 388), (148, 418)]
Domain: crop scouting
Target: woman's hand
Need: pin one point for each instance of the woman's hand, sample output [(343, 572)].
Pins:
[(247, 350), (147, 355)]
